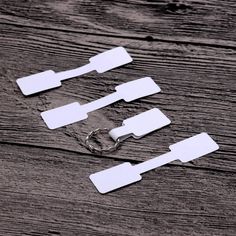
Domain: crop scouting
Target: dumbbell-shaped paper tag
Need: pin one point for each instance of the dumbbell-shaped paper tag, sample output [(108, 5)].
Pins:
[(125, 174), (75, 112), (49, 79)]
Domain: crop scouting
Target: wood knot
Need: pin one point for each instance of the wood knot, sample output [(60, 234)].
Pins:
[(149, 38)]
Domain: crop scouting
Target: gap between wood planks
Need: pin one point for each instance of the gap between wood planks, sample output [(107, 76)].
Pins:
[(133, 161)]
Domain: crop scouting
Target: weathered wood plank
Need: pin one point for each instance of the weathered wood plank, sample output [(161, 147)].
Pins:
[(206, 22), (46, 191), (197, 92), (188, 48)]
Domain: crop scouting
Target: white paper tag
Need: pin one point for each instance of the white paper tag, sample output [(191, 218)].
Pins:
[(137, 88), (64, 115), (125, 174), (115, 177), (40, 82), (140, 125), (49, 79), (71, 113), (194, 147), (110, 59)]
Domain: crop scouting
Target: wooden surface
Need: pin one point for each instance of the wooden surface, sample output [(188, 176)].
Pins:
[(187, 47)]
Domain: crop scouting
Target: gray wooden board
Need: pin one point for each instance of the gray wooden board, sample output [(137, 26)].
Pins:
[(205, 21), (44, 183), (45, 190)]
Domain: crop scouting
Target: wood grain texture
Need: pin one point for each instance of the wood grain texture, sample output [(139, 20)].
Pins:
[(192, 80), (48, 190), (206, 21), (44, 186)]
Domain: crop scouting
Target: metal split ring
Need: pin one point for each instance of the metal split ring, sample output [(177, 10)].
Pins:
[(96, 150)]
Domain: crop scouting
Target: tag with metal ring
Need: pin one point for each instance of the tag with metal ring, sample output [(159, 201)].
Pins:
[(136, 126), (97, 150)]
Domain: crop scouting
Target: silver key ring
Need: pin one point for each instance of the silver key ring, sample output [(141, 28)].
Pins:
[(96, 150)]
